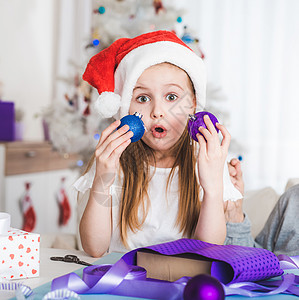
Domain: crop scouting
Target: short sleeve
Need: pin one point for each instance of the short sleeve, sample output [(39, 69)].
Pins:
[(84, 182)]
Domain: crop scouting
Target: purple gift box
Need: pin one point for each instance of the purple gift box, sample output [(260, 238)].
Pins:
[(7, 121)]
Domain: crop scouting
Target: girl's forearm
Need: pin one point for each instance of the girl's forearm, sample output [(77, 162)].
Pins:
[(95, 225), (211, 225)]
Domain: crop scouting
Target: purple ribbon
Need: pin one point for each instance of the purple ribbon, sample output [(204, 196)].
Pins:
[(120, 279), (286, 285), (264, 288), (287, 262), (237, 267)]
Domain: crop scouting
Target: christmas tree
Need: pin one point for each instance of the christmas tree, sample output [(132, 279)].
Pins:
[(74, 125)]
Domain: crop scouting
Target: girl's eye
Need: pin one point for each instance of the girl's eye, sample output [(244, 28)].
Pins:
[(143, 99), (171, 97)]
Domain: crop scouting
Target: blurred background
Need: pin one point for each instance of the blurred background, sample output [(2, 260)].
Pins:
[(250, 48)]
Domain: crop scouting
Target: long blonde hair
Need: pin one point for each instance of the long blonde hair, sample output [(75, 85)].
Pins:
[(135, 166)]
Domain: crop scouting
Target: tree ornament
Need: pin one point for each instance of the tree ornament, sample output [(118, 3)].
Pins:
[(96, 42), (200, 53), (101, 10), (187, 37), (86, 112), (179, 19), (195, 121), (204, 287), (158, 6), (136, 125)]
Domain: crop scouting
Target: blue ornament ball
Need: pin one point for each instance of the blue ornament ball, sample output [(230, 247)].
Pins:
[(197, 120), (179, 19), (96, 136), (101, 10), (187, 38), (80, 163), (136, 125), (204, 287), (95, 42)]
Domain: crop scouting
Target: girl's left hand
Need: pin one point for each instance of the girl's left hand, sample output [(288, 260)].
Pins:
[(212, 156)]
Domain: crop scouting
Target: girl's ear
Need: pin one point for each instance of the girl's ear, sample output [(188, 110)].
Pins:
[(194, 104)]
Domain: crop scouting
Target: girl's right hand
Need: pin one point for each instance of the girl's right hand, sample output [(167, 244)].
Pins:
[(108, 151)]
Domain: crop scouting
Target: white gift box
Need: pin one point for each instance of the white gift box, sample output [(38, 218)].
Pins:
[(19, 252)]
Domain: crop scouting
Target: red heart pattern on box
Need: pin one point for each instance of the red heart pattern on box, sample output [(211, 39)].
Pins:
[(19, 255)]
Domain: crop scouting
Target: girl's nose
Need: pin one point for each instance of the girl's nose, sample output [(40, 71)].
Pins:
[(157, 112), (157, 115)]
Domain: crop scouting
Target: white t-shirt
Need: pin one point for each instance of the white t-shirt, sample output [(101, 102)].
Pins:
[(159, 225)]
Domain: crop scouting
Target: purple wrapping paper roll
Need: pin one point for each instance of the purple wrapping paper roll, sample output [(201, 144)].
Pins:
[(230, 263), (7, 121)]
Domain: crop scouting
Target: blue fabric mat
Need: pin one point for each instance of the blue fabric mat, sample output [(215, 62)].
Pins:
[(114, 257)]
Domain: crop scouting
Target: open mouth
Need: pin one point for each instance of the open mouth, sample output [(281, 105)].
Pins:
[(159, 131)]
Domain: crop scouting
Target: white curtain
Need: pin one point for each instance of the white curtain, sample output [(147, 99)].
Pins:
[(72, 31), (252, 53)]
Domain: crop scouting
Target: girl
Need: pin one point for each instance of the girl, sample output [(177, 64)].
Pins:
[(163, 187)]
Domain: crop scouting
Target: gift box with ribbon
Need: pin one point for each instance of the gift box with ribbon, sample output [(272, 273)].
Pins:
[(239, 270), (19, 251), (229, 263), (7, 121)]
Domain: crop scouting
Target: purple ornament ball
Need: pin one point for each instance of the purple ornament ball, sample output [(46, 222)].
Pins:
[(204, 287), (197, 121)]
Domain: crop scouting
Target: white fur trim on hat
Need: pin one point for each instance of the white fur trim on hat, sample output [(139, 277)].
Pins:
[(107, 104), (135, 62)]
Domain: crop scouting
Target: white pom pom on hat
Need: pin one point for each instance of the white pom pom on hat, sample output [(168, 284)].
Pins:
[(107, 104), (115, 70)]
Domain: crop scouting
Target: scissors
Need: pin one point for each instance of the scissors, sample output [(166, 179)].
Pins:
[(70, 259)]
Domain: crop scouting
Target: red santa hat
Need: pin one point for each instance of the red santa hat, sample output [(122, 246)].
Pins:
[(115, 70)]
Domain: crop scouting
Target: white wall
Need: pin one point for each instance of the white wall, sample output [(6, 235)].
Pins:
[(26, 58), (251, 49)]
